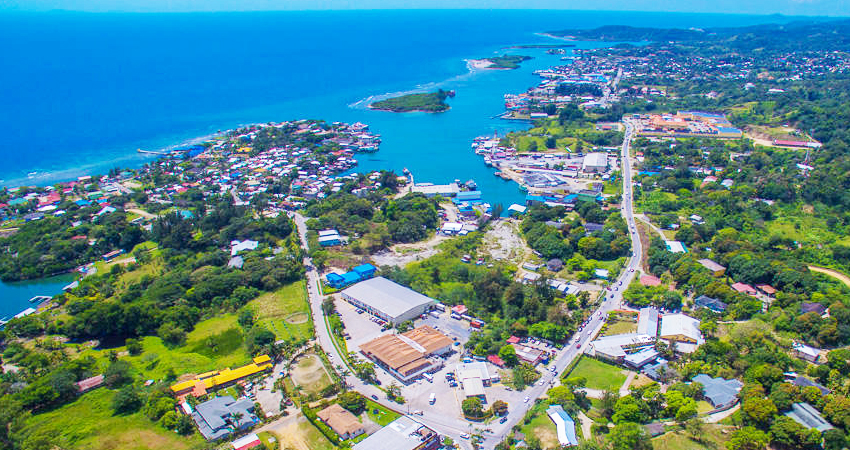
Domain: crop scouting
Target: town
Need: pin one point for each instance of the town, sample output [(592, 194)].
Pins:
[(676, 277)]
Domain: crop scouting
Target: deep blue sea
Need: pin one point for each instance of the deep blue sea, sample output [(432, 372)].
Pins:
[(79, 93)]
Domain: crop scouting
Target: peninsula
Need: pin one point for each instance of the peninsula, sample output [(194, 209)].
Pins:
[(499, 62), (425, 102)]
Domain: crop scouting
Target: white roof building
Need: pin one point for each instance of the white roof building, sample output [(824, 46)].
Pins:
[(388, 300), (683, 330), (595, 162)]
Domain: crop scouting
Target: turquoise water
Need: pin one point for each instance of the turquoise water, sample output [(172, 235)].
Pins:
[(14, 297)]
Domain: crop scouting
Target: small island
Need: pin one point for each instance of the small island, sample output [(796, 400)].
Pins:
[(500, 62), (425, 102)]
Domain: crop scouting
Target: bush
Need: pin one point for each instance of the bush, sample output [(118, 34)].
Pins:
[(126, 401)]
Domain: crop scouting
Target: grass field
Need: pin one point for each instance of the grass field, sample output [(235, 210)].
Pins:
[(713, 438), (620, 327), (599, 375), (88, 424), (541, 427), (285, 312), (383, 416), (303, 436)]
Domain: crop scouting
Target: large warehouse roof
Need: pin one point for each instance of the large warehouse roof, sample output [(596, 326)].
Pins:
[(386, 296), (409, 351)]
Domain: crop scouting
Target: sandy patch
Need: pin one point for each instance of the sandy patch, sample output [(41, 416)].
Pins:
[(297, 318)]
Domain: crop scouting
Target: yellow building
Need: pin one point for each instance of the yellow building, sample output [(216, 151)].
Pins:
[(216, 379)]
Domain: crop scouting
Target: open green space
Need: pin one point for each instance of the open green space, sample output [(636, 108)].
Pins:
[(310, 374), (88, 424), (285, 312), (599, 375), (383, 416), (541, 427), (711, 438)]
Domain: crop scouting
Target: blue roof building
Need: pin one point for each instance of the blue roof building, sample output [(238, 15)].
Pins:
[(564, 424), (466, 196), (809, 417), (365, 271), (722, 394)]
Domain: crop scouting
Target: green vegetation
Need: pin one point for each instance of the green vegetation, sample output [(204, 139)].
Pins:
[(426, 102), (506, 61), (380, 414), (599, 375)]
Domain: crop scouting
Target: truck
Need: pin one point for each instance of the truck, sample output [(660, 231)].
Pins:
[(428, 377), (432, 398)]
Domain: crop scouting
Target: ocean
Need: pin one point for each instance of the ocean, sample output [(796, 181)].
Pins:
[(80, 93)]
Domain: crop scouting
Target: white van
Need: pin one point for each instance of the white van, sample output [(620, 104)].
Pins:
[(433, 398), (428, 377)]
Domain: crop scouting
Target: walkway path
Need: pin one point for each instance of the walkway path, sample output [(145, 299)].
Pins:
[(833, 273), (586, 422), (718, 416), (624, 389)]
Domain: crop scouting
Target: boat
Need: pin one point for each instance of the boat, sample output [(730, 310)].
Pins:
[(523, 188), (405, 171), (39, 298), (471, 184)]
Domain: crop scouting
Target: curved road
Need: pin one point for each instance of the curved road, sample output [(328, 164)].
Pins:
[(450, 426)]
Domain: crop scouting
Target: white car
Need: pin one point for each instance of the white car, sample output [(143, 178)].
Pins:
[(526, 399), (465, 435)]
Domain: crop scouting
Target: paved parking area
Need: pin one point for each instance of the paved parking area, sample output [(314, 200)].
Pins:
[(458, 329)]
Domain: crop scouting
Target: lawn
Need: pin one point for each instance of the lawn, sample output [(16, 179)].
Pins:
[(542, 427), (383, 415), (598, 374), (214, 344), (285, 312), (88, 424), (303, 436), (310, 374), (618, 326), (713, 438), (704, 407)]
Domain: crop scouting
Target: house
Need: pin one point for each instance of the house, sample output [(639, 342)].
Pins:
[(247, 442), (343, 422), (473, 377), (716, 269), (744, 288), (766, 289), (528, 354), (601, 273), (675, 247), (807, 416), (721, 393), (591, 227), (222, 416), (365, 271), (641, 358), (236, 262), (496, 361), (564, 425), (681, 330), (89, 383), (239, 246), (805, 352), (713, 304), (650, 280), (816, 308), (555, 264), (403, 433), (803, 382)]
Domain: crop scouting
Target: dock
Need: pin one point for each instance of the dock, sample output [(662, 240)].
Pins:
[(39, 298), (153, 152)]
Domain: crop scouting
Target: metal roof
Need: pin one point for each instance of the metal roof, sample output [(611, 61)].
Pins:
[(403, 433), (385, 296)]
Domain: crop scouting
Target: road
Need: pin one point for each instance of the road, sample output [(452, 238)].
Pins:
[(450, 426)]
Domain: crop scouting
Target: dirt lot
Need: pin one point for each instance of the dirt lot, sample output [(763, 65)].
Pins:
[(404, 254), (503, 241)]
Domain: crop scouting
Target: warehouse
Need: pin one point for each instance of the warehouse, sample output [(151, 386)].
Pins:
[(595, 163), (391, 302), (407, 356)]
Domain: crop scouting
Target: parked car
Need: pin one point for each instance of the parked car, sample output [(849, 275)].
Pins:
[(503, 419), (464, 435), (374, 397)]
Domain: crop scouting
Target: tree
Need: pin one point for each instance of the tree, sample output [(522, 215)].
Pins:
[(12, 418), (352, 401), (126, 401), (508, 355), (629, 436), (747, 438), (118, 374), (788, 434), (134, 346), (758, 411), (628, 409), (171, 334), (834, 439), (246, 318), (560, 395), (500, 408), (472, 407), (694, 427)]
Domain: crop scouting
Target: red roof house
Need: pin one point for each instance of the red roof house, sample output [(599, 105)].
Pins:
[(744, 288), (89, 383), (496, 360)]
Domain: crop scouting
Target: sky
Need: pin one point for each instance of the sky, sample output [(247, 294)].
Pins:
[(786, 7)]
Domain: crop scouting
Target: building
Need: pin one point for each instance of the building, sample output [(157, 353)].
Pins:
[(403, 433), (212, 380), (803, 382), (681, 330), (221, 416), (359, 273), (614, 348), (388, 300), (809, 417), (528, 354), (675, 247), (564, 425), (431, 190), (744, 288), (712, 266), (805, 352), (641, 358), (473, 377), (342, 421), (595, 163), (246, 442), (330, 238), (554, 264), (89, 383), (722, 394), (648, 321), (713, 304), (240, 246), (407, 356)]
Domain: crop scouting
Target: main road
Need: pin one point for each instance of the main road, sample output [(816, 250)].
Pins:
[(497, 432)]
